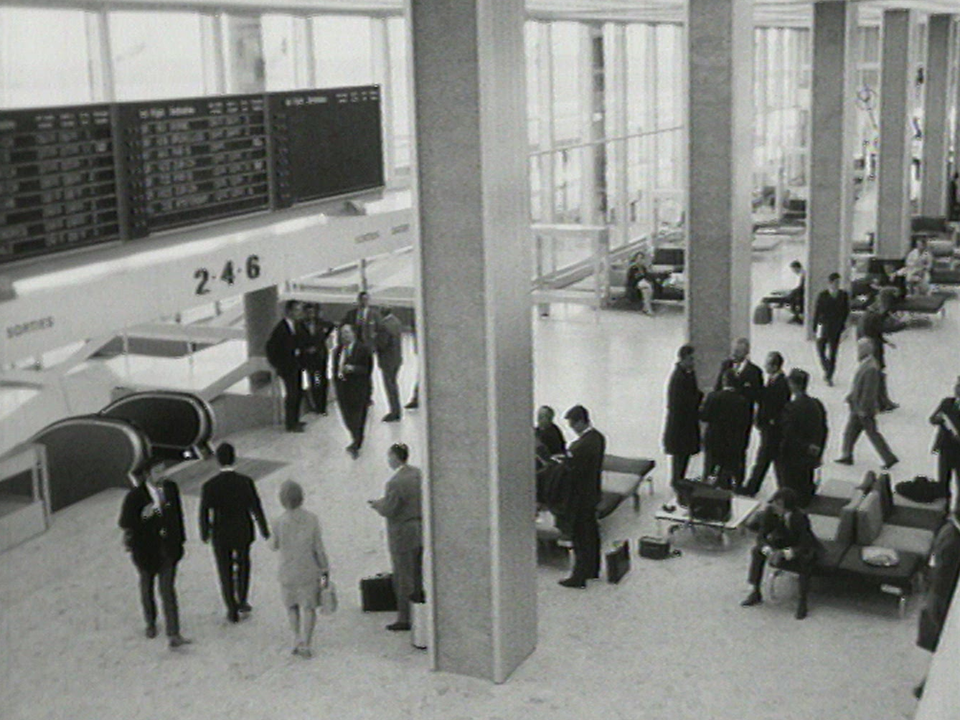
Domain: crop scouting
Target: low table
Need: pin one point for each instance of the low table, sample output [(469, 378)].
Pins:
[(740, 510)]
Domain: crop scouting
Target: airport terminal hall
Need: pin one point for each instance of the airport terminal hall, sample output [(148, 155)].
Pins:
[(479, 359)]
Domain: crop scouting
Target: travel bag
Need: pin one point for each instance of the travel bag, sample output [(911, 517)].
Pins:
[(376, 593)]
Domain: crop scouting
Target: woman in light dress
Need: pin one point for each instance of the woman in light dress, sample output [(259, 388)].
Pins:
[(303, 564)]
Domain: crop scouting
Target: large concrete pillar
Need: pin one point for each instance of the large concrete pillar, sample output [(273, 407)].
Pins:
[(719, 168), (897, 75), (936, 72), (833, 113), (474, 301)]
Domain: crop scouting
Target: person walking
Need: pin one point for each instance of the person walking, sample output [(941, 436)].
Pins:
[(864, 402), (829, 321), (229, 503), (152, 520), (390, 358), (400, 505), (871, 325), (353, 365), (304, 568), (774, 396), (681, 432)]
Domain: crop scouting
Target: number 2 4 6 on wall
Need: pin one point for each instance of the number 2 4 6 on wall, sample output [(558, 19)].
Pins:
[(230, 273)]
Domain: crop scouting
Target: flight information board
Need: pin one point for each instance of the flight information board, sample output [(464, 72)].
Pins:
[(58, 181), (189, 161), (76, 176), (325, 143)]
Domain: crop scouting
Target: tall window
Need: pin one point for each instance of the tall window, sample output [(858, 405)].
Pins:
[(156, 55), (44, 58), (343, 50)]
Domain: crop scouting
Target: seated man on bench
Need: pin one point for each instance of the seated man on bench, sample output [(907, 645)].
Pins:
[(787, 541)]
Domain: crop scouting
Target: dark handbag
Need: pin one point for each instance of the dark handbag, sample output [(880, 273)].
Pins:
[(377, 594), (654, 548), (618, 561), (711, 504)]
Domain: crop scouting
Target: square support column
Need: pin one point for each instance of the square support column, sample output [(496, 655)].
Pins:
[(936, 72), (833, 113), (719, 170), (897, 75), (473, 255)]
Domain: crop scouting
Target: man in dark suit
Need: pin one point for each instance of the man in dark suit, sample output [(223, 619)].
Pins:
[(795, 296), (390, 358), (365, 320), (586, 467), (803, 438), (829, 321), (942, 580), (227, 503), (284, 353), (727, 415), (787, 541), (947, 443), (748, 378), (352, 365), (152, 520), (774, 396), (681, 432), (864, 402), (315, 355)]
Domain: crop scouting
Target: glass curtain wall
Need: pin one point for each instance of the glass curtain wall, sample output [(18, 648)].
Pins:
[(782, 68)]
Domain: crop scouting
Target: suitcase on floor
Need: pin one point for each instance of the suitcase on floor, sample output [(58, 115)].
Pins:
[(762, 314), (376, 593)]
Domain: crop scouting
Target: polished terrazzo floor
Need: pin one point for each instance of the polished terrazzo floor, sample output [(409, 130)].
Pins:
[(670, 641)]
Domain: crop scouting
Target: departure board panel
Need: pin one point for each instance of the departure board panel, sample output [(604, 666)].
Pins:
[(325, 143), (58, 182), (189, 161)]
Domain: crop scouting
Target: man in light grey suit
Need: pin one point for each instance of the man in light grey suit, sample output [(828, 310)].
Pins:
[(864, 401), (400, 505)]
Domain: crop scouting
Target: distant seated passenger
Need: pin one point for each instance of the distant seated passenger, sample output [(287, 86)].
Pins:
[(549, 437), (787, 541), (639, 286), (916, 268), (795, 296)]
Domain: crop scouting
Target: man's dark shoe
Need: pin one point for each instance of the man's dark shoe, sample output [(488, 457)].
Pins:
[(178, 641), (889, 407), (391, 417), (244, 607), (844, 460), (398, 626), (298, 428), (573, 583), (151, 631), (754, 598), (801, 611), (891, 463), (233, 616), (412, 405)]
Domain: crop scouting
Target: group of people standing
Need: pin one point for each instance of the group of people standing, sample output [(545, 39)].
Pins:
[(792, 425), (299, 348), (154, 533)]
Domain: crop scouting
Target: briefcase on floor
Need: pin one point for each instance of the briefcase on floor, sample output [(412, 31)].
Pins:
[(654, 548), (618, 561), (762, 314), (376, 593)]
